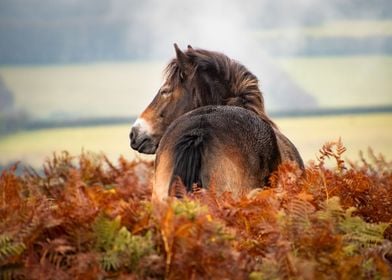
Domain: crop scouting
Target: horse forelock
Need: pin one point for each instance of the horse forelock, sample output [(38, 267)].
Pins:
[(171, 73)]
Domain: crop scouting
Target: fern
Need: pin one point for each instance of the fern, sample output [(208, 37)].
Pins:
[(335, 150), (9, 249), (299, 213), (139, 247), (269, 269), (11, 272), (105, 231), (119, 246), (332, 210), (86, 218), (188, 208), (358, 234), (111, 261)]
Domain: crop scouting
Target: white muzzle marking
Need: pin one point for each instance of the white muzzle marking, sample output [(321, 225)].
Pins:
[(143, 126)]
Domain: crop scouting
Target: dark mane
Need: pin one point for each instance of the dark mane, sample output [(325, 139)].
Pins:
[(219, 80)]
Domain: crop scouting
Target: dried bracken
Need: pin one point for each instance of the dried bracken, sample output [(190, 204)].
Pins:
[(87, 218)]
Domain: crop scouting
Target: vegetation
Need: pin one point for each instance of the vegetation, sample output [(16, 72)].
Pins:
[(86, 218)]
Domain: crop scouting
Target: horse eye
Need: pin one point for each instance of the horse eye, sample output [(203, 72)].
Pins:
[(165, 92)]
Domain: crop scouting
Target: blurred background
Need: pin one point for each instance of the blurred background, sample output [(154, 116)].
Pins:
[(74, 74)]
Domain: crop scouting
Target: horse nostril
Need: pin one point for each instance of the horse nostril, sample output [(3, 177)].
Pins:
[(134, 134), (131, 135)]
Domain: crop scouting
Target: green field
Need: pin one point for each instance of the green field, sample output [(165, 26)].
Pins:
[(308, 134), (80, 90), (358, 132), (33, 147), (125, 89), (348, 81)]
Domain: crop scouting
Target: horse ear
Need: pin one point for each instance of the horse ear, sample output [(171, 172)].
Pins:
[(182, 60)]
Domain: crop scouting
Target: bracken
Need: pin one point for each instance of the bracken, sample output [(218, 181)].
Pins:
[(87, 218)]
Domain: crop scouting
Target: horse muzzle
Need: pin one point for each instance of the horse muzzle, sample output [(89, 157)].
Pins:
[(142, 142)]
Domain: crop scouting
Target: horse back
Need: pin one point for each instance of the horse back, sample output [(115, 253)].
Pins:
[(229, 146)]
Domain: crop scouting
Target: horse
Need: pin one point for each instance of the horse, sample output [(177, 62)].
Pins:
[(173, 122), (227, 146)]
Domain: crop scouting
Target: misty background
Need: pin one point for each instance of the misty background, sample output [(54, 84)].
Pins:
[(45, 32), (69, 31), (70, 63)]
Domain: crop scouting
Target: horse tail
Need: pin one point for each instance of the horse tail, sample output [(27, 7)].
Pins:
[(188, 156)]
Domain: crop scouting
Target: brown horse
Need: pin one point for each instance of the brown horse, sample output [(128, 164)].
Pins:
[(194, 79), (227, 145)]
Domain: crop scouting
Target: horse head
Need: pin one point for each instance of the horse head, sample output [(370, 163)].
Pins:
[(173, 99), (193, 79)]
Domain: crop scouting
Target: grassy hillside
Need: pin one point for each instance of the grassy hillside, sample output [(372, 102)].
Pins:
[(348, 81), (80, 90), (125, 89), (358, 132), (32, 147), (87, 218)]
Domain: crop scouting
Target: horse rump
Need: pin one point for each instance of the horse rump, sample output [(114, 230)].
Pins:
[(227, 145)]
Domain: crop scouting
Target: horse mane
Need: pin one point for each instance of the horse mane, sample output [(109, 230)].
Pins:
[(240, 86)]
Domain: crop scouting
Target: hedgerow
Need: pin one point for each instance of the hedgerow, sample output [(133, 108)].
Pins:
[(86, 218)]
